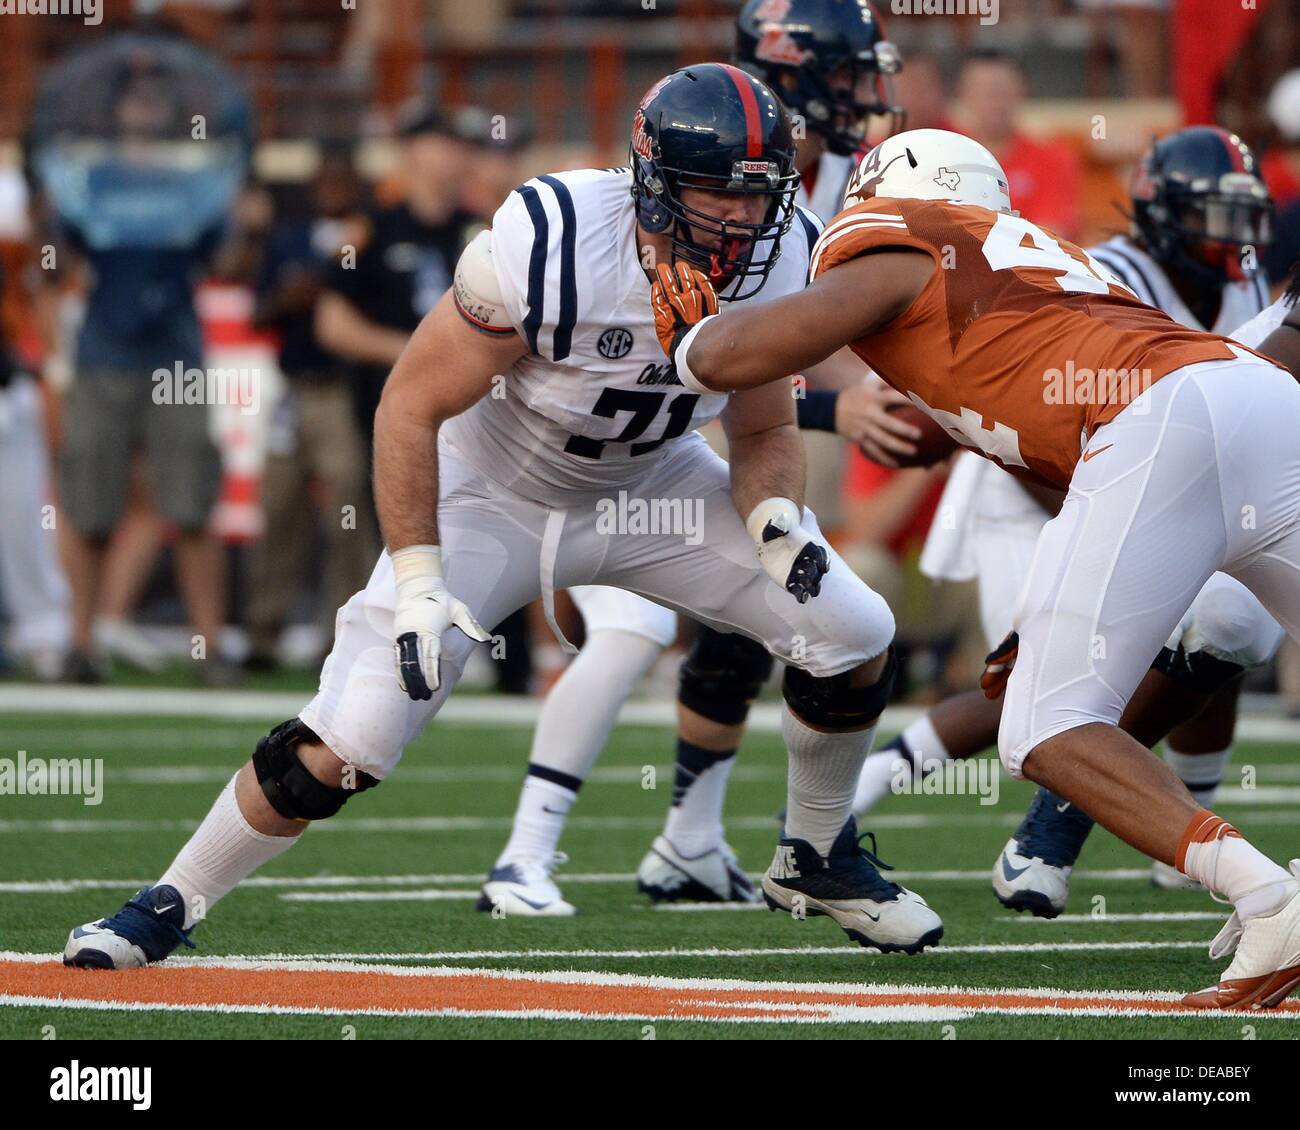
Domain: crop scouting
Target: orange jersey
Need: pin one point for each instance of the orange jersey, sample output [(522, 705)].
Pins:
[(1021, 345)]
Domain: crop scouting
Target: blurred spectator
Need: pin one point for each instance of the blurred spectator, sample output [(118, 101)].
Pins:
[(493, 173), (1045, 176), (376, 294), (1140, 29), (139, 319), (34, 595), (1280, 168), (314, 476), (923, 92)]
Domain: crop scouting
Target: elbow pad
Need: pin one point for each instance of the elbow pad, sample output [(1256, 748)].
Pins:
[(477, 291)]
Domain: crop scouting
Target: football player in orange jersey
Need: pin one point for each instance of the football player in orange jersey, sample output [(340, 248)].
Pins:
[(1176, 448)]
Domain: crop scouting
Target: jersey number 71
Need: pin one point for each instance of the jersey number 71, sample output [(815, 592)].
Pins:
[(644, 407)]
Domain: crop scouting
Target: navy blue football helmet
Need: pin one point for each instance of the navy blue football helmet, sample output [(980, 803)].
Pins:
[(717, 128), (1199, 202), (829, 61)]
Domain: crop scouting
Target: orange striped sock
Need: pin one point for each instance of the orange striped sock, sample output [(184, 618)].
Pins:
[(1215, 854)]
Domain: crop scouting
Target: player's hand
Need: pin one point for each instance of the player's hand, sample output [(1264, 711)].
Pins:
[(424, 610), (863, 415), (998, 665), (680, 296), (789, 553)]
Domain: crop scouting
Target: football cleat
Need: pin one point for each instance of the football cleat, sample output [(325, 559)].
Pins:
[(524, 888), (1033, 871), (145, 930), (1171, 879), (847, 886), (1265, 966), (666, 875)]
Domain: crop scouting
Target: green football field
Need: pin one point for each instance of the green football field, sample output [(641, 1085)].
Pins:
[(367, 928)]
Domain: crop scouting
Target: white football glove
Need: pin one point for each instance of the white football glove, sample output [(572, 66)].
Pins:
[(786, 550), (425, 609)]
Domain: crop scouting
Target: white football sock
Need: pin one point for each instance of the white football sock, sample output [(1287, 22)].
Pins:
[(925, 745), (1217, 856), (224, 850), (694, 823), (539, 820), (879, 772), (573, 727), (924, 752), (824, 769), (579, 713), (1200, 772)]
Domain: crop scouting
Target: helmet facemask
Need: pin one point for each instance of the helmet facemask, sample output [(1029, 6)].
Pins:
[(841, 101), (1206, 231), (736, 256)]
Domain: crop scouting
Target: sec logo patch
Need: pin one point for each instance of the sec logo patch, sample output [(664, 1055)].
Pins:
[(615, 343)]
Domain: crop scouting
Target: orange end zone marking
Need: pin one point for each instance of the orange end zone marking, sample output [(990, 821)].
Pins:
[(477, 991)]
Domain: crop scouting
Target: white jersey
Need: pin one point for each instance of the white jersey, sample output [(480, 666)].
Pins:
[(826, 200), (948, 553), (1240, 301), (1253, 333), (595, 404)]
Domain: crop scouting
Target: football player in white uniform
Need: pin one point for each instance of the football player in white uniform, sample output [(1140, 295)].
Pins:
[(831, 65), (529, 427), (1200, 216)]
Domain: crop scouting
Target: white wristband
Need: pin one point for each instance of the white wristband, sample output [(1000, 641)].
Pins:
[(684, 373), (783, 513), (417, 563)]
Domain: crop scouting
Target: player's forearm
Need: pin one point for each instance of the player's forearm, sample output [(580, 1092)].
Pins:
[(766, 464), (406, 476), (743, 349)]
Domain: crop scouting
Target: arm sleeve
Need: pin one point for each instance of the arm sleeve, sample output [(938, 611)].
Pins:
[(816, 409)]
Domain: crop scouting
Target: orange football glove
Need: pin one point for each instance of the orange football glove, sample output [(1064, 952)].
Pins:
[(998, 665), (680, 296)]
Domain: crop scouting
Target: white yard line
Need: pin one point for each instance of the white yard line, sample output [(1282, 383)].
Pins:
[(418, 824), (486, 710), (190, 774), (1145, 916), (439, 894), (66, 886), (539, 954)]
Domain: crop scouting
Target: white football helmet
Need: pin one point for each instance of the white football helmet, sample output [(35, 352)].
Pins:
[(931, 164)]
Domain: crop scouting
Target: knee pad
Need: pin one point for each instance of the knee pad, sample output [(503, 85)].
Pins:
[(831, 703), (722, 675), (1228, 622), (1196, 670), (286, 782)]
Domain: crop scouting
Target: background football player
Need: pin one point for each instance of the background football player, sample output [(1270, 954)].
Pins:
[(832, 66), (491, 493), (1200, 219)]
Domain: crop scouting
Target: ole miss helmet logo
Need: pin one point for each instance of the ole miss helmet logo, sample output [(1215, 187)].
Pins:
[(776, 46)]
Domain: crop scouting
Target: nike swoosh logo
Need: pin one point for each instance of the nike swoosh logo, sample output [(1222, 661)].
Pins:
[(1089, 454), (1062, 807), (554, 811), (873, 917), (1012, 873), (165, 909)]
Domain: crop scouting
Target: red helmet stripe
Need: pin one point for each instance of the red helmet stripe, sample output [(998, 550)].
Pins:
[(753, 123)]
